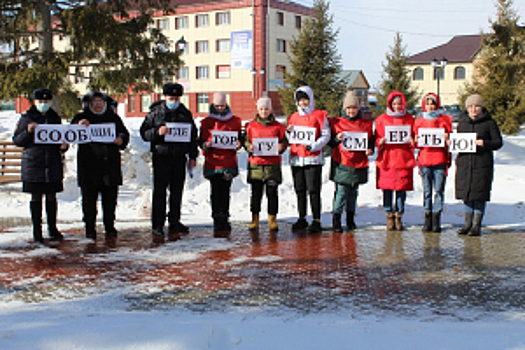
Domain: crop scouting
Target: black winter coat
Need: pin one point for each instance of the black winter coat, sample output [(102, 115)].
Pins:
[(158, 116), (475, 171), (40, 163), (98, 164)]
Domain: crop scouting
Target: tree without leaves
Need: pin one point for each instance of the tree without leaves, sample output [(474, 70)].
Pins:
[(314, 62), (500, 70), (119, 48), (396, 76)]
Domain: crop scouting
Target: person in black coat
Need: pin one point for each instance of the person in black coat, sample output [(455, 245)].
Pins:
[(475, 171), (42, 172), (99, 164), (169, 157)]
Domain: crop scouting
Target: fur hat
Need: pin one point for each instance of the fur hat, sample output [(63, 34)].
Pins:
[(474, 100), (264, 102), (350, 99), (42, 94), (219, 99), (172, 89)]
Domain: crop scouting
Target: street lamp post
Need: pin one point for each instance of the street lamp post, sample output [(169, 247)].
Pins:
[(181, 44), (439, 68)]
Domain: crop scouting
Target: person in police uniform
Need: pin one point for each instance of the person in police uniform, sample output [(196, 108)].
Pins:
[(42, 171), (170, 159)]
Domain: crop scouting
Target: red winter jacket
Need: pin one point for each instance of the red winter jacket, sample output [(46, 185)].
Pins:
[(353, 159), (216, 158), (255, 129), (429, 156)]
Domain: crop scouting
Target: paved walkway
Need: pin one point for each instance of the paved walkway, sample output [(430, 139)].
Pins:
[(369, 272)]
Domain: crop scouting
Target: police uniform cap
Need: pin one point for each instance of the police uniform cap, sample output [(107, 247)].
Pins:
[(172, 89)]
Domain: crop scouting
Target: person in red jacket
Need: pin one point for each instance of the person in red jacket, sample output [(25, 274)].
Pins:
[(433, 159), (220, 140), (394, 137), (265, 141), (349, 167), (308, 133)]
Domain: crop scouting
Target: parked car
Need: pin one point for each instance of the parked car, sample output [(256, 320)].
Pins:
[(454, 111)]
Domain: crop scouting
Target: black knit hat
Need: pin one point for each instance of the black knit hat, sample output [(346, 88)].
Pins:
[(42, 94), (301, 94), (172, 89)]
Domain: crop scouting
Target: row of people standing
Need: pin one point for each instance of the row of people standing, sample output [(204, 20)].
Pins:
[(99, 163)]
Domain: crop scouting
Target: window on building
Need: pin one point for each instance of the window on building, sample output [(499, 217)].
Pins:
[(281, 45), (184, 73), (298, 22), (163, 24), (201, 21), (131, 103), (145, 102), (418, 74), (201, 47), (280, 72), (459, 73), (223, 45), (222, 18), (280, 18), (203, 101), (223, 72), (439, 71), (181, 22), (202, 72)]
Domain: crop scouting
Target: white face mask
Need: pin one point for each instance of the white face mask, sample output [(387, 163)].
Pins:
[(42, 107)]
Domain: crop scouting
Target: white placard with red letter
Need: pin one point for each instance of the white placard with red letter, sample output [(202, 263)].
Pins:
[(354, 141), (431, 137), (178, 132), (397, 134), (463, 142), (224, 139), (301, 135), (265, 146)]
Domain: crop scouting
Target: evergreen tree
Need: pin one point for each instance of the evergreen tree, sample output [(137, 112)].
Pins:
[(500, 70), (396, 77), (314, 62), (119, 49)]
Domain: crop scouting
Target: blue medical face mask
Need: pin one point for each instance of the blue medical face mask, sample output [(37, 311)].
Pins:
[(172, 104), (42, 107)]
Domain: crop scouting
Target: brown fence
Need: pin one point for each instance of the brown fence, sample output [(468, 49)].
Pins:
[(10, 162)]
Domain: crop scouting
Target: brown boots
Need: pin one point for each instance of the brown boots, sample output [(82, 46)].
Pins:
[(393, 222), (272, 223)]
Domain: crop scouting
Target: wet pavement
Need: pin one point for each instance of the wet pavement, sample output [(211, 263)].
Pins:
[(365, 273)]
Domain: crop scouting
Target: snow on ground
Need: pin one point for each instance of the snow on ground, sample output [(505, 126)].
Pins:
[(104, 322)]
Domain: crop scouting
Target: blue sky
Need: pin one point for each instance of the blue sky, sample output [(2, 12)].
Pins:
[(367, 27)]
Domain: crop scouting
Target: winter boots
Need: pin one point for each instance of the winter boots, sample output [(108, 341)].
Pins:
[(272, 223), (300, 224), (36, 219), (254, 225), (51, 212), (315, 226), (398, 223), (476, 227), (436, 221), (467, 225), (336, 223), (350, 223), (427, 226), (390, 222)]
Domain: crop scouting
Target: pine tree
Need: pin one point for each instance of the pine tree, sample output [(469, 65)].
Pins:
[(119, 49), (500, 70), (315, 62), (396, 76)]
